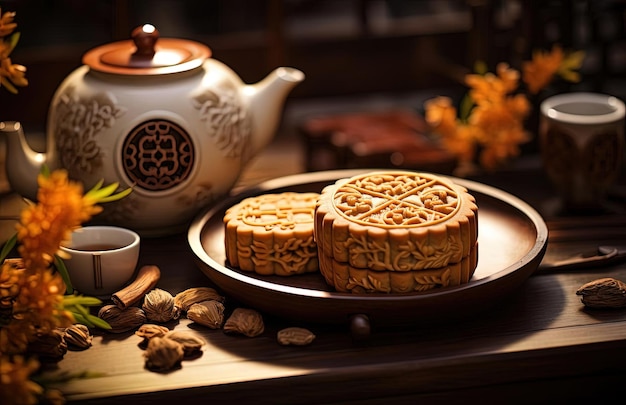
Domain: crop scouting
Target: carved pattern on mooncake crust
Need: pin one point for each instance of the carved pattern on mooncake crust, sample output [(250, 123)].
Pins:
[(345, 278), (396, 200), (272, 234), (444, 233)]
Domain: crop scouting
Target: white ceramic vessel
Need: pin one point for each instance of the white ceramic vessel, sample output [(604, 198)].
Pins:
[(160, 116)]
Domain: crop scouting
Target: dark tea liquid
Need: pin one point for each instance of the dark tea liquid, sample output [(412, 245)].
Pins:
[(96, 247)]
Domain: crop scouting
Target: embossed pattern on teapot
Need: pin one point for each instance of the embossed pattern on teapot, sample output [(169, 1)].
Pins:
[(158, 115)]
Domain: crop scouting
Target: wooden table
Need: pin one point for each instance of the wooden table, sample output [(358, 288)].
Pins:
[(538, 345)]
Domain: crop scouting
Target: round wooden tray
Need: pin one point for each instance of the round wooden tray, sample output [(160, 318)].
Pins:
[(511, 243)]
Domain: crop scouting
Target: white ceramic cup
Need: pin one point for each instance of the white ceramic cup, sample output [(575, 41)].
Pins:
[(582, 145), (102, 259)]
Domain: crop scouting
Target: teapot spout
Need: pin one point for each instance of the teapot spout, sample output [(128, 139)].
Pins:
[(266, 100), (23, 164)]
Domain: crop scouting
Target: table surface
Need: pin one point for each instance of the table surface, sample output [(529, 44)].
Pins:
[(538, 345)]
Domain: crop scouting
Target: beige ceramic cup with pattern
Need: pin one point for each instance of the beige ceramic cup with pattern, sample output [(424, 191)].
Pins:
[(102, 259), (582, 145)]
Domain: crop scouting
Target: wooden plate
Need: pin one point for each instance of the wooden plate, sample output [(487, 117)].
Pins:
[(512, 241)]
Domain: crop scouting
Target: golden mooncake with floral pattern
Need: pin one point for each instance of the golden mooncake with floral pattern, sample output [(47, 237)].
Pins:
[(397, 222), (272, 234)]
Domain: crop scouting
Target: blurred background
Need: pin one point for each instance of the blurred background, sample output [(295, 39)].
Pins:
[(358, 55)]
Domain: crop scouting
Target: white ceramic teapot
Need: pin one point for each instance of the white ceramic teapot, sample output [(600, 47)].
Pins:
[(158, 115)]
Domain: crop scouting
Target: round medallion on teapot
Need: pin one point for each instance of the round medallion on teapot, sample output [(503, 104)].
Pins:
[(160, 116), (157, 155)]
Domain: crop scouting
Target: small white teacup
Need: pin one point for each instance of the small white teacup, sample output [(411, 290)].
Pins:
[(102, 259)]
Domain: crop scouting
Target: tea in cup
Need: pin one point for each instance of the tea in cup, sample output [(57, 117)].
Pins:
[(102, 259), (582, 145)]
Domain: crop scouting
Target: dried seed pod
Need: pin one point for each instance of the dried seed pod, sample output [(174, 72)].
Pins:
[(207, 313), (603, 293), (78, 336), (295, 336), (163, 354), (122, 320), (185, 299), (159, 306), (190, 342), (245, 321), (51, 345), (150, 330), (9, 285)]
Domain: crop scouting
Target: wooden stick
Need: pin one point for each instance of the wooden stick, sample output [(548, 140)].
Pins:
[(146, 279)]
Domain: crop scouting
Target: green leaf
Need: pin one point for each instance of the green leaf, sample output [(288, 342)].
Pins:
[(79, 318), (480, 67), (60, 266), (99, 322), (83, 316), (13, 40), (80, 300), (8, 246), (96, 186), (105, 194), (117, 196), (77, 305), (44, 170), (465, 108), (64, 377)]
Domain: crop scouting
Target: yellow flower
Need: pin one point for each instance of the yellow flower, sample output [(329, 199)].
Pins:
[(15, 384)]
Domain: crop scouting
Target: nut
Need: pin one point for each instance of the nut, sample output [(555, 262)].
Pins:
[(78, 336), (185, 299), (159, 306), (245, 321), (190, 342), (122, 320), (603, 293), (163, 354), (295, 336), (51, 345), (150, 330), (207, 313)]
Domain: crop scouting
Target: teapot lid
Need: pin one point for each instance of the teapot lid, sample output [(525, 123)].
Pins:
[(142, 55)]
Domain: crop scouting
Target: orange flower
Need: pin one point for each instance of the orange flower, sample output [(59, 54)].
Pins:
[(14, 72), (15, 384), (441, 115), (456, 137), (489, 88), (462, 142), (7, 25), (492, 115), (11, 74), (38, 309), (43, 227), (540, 71)]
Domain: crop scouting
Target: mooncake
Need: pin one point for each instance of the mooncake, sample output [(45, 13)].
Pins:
[(272, 234), (391, 225)]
